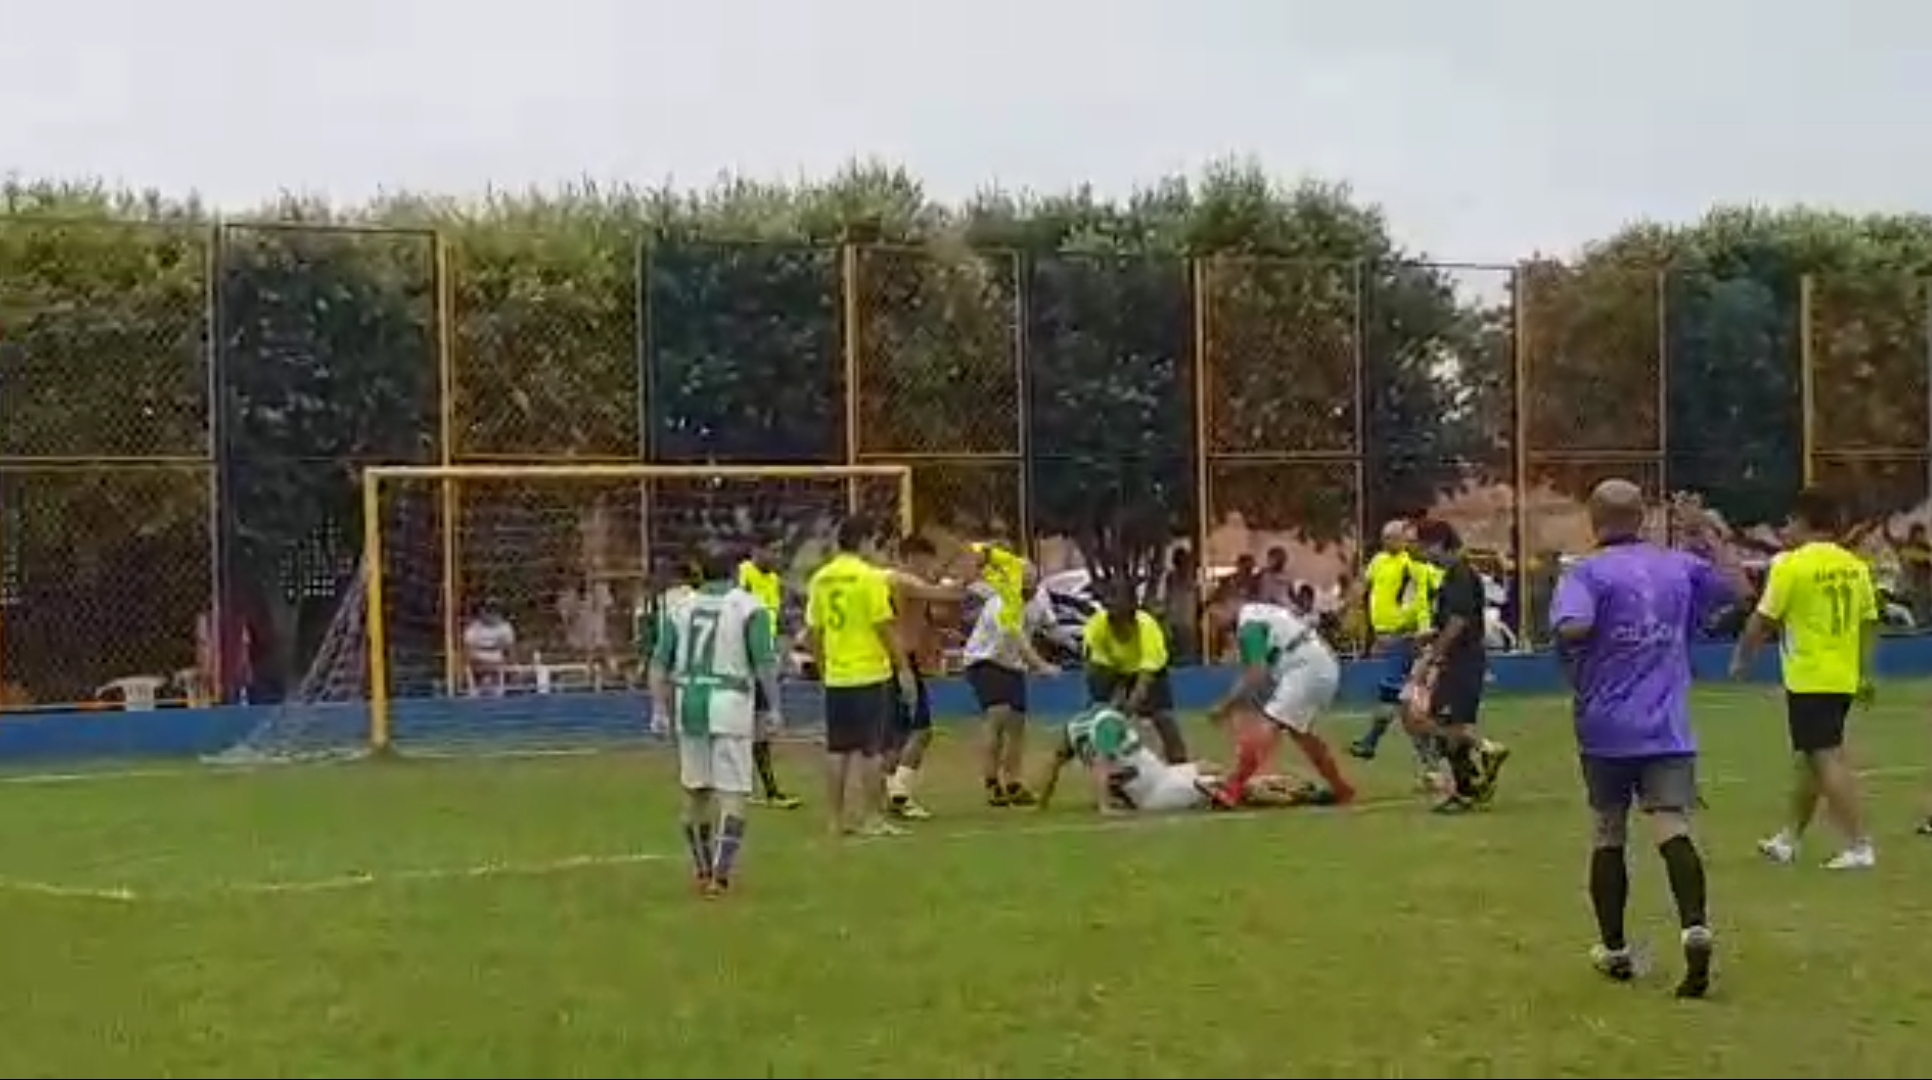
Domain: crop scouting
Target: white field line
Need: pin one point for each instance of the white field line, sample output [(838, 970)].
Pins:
[(576, 864)]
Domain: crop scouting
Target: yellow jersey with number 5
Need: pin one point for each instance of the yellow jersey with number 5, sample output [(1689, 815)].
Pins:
[(1822, 596), (848, 605)]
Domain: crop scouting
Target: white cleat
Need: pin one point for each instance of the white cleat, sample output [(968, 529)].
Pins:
[(1778, 850), (1857, 857)]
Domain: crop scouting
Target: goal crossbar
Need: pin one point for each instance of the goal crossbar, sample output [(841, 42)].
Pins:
[(376, 479)]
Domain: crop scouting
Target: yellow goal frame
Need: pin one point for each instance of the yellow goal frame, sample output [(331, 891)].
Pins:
[(376, 477)]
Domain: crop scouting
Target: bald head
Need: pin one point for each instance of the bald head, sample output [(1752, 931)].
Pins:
[(1395, 534), (1616, 509)]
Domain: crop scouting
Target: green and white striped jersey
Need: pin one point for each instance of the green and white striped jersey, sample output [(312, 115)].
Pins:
[(712, 642)]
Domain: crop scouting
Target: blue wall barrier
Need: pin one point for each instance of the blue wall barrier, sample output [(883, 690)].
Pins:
[(41, 736)]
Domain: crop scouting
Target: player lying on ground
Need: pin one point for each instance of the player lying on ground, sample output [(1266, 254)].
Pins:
[(1125, 775), (713, 646), (1288, 676)]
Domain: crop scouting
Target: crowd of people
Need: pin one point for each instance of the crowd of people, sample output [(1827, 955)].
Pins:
[(1624, 618)]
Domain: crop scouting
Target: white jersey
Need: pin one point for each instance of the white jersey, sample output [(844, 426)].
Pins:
[(1275, 634), (989, 642), (1305, 672), (489, 640), (709, 643)]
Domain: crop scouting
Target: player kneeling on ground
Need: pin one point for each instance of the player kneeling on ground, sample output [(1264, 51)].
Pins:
[(1288, 676), (714, 647), (1126, 775)]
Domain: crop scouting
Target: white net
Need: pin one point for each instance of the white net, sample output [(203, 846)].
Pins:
[(520, 626)]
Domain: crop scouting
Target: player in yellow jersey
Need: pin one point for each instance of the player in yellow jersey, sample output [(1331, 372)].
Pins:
[(1818, 598), (1396, 594), (854, 640), (758, 575)]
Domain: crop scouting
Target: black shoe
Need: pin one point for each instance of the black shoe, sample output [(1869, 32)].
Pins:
[(1617, 965), (1925, 827), (1699, 949), (1362, 749)]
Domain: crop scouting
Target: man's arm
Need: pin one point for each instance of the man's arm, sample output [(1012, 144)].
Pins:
[(1869, 626), (913, 587), (1153, 659), (1030, 620), (1573, 616), (1765, 620), (664, 653), (1251, 643), (1463, 611), (1050, 776), (761, 642)]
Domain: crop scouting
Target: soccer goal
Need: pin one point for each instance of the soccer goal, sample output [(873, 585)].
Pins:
[(505, 608)]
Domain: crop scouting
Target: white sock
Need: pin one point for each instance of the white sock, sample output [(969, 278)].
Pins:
[(899, 784)]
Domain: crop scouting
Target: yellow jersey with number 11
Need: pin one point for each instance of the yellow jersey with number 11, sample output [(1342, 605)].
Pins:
[(1822, 596), (848, 604)]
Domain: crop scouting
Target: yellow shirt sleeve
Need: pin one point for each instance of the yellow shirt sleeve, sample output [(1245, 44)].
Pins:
[(1153, 644), (1776, 601), (1868, 599)]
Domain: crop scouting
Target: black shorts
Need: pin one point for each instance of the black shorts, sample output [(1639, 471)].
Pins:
[(912, 717), (1816, 721), (996, 685), (1661, 783), (1458, 695), (1104, 683), (857, 718)]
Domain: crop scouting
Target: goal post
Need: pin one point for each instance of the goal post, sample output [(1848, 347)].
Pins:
[(500, 607)]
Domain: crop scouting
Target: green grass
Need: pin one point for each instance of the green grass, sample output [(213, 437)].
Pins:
[(325, 922)]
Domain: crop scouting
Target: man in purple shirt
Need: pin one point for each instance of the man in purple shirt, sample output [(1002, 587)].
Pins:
[(1625, 617)]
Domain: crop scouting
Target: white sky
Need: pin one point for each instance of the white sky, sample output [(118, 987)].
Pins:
[(1485, 127)]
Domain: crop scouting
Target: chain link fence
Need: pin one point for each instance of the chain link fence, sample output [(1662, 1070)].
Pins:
[(197, 402)]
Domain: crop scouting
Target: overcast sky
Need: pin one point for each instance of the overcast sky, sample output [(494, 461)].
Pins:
[(1486, 127)]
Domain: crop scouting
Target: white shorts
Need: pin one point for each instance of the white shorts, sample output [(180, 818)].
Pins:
[(1167, 788), (720, 763), (1305, 683)]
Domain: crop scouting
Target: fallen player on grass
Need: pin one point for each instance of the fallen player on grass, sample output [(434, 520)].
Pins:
[(1125, 776)]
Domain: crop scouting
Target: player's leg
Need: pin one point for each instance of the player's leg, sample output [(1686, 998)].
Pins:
[(1837, 783), (1474, 762), (769, 793), (732, 766), (912, 737), (1308, 686), (700, 817), (1013, 745), (1667, 792), (1159, 707), (984, 678), (878, 720), (1610, 784), (1397, 653), (844, 737), (1256, 737)]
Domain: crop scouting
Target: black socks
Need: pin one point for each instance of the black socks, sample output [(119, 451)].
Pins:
[(1610, 894), (1685, 868)]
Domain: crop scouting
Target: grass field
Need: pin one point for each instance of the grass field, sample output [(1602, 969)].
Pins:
[(530, 918)]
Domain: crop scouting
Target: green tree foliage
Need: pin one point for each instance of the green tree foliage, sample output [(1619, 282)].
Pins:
[(1324, 340), (1733, 335)]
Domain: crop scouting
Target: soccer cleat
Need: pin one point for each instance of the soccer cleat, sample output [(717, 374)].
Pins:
[(1856, 857), (1699, 948), (778, 801), (997, 798), (877, 828), (1493, 755), (1925, 827), (1617, 965), (1018, 795), (1779, 850), (1361, 749), (1453, 804), (903, 807)]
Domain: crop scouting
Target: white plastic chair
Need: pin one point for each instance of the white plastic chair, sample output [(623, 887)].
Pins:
[(137, 692)]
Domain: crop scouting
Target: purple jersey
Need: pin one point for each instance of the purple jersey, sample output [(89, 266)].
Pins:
[(1643, 605)]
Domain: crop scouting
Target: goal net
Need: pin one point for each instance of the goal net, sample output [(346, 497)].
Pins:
[(504, 608)]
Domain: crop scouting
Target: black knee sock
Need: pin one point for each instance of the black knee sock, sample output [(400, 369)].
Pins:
[(767, 776), (1609, 894), (1685, 868)]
